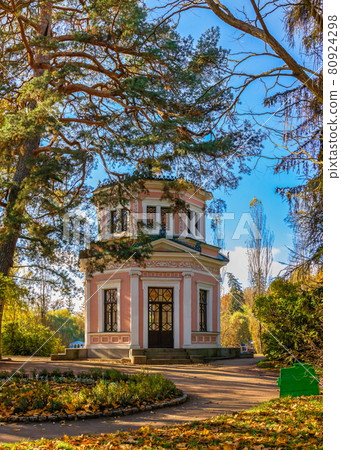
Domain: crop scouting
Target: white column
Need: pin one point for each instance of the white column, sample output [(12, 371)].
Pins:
[(145, 315), (87, 312), (187, 308), (100, 309), (210, 309), (218, 312), (134, 308), (176, 317)]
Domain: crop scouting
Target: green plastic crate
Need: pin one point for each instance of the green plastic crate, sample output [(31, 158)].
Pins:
[(298, 380)]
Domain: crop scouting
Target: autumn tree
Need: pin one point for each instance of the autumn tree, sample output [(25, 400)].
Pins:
[(236, 292), (87, 83), (286, 38), (259, 252), (234, 316)]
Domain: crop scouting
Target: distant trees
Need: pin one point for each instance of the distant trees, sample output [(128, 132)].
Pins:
[(234, 321), (236, 293), (259, 249), (259, 252), (25, 330), (70, 325), (24, 333), (291, 315)]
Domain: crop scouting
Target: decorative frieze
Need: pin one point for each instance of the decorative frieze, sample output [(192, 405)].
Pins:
[(168, 264), (204, 338), (110, 338)]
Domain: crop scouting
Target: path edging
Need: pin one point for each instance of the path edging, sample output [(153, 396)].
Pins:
[(117, 412)]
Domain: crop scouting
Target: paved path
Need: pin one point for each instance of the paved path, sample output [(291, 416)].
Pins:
[(216, 388)]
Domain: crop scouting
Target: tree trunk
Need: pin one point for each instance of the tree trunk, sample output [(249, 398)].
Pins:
[(13, 212), (15, 207), (1, 314)]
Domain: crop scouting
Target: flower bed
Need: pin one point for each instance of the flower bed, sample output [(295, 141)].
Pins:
[(56, 395)]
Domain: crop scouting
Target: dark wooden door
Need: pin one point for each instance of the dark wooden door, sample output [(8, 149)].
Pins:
[(160, 317)]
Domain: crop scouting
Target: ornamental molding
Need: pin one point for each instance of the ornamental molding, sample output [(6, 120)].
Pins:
[(169, 264)]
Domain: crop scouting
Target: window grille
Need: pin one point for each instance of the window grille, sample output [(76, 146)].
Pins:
[(119, 221), (202, 310), (151, 216), (110, 310), (165, 218)]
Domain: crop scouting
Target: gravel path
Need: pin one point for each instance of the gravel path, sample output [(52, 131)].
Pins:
[(216, 388)]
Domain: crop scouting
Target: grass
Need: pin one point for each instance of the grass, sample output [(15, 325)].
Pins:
[(53, 393), (287, 423)]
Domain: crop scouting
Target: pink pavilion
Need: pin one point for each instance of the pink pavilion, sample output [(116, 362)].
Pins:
[(166, 309)]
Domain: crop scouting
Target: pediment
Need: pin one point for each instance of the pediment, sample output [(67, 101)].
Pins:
[(165, 245)]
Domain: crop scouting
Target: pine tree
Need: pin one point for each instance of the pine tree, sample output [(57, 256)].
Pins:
[(236, 292), (94, 82)]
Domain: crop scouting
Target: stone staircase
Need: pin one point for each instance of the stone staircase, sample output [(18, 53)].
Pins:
[(161, 356), (166, 356)]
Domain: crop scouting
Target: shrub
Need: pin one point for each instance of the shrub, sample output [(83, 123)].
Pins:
[(114, 375), (26, 338), (55, 405), (22, 405), (292, 313), (43, 373), (22, 395), (56, 373), (95, 373), (68, 374)]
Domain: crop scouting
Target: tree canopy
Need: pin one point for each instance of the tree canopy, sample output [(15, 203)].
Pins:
[(86, 83)]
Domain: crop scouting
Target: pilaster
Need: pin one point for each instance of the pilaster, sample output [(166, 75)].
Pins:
[(134, 307), (187, 307)]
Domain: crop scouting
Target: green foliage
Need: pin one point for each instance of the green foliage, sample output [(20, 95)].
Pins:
[(26, 338), (159, 100), (293, 314), (9, 290), (235, 322), (70, 326), (234, 329), (236, 293), (71, 394), (26, 329)]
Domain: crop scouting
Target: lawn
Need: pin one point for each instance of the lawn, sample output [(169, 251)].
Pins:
[(282, 423)]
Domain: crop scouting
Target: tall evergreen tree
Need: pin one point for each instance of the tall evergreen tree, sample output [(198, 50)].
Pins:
[(88, 82), (236, 292)]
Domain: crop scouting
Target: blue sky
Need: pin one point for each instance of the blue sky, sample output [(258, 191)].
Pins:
[(262, 182)]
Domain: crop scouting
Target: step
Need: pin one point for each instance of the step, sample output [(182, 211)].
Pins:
[(183, 354), (168, 361), (197, 358), (167, 354), (167, 357), (167, 350)]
